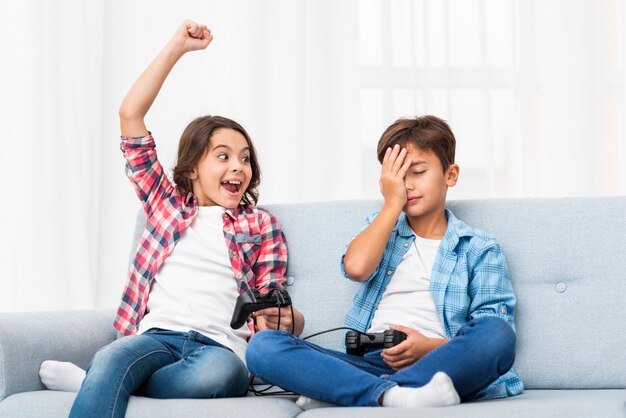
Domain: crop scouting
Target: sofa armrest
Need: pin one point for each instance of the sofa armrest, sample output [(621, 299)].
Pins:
[(29, 338)]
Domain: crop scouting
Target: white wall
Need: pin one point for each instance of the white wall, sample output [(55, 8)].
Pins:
[(534, 91)]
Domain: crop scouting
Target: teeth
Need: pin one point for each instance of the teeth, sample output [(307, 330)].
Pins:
[(231, 182)]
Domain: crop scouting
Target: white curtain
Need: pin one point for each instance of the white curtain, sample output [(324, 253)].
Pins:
[(50, 133), (533, 90)]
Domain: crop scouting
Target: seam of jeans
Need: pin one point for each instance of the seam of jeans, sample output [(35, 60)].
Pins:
[(183, 348), (117, 392), (182, 358), (378, 392), (195, 352), (193, 336)]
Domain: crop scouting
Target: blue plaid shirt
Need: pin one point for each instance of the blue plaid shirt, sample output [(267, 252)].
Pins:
[(470, 279)]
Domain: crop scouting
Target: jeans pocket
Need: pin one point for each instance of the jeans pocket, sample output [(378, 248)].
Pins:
[(153, 330)]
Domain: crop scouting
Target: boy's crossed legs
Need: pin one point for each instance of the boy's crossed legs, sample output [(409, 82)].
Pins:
[(481, 351)]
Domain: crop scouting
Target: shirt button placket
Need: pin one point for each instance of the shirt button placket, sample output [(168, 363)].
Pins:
[(226, 223)]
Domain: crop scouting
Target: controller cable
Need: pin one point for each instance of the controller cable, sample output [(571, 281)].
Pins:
[(264, 391)]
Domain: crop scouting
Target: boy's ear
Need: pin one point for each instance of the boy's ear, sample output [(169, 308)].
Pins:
[(452, 175)]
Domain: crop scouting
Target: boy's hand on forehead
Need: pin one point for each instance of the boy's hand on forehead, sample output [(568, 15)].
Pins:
[(192, 36), (394, 168)]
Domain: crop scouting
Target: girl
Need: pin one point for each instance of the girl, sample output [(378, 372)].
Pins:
[(203, 244)]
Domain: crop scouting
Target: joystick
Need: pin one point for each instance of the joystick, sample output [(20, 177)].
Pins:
[(357, 342), (252, 300)]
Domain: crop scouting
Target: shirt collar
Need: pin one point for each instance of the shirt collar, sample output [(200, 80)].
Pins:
[(238, 211), (232, 212), (402, 226), (191, 201), (454, 232)]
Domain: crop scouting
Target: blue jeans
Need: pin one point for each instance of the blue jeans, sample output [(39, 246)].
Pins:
[(482, 351), (158, 364)]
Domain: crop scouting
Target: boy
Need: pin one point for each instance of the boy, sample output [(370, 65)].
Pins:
[(423, 272)]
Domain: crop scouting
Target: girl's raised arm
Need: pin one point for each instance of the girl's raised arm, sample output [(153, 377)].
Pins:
[(191, 36)]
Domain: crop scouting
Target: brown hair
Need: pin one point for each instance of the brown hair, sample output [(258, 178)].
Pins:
[(193, 145), (424, 132)]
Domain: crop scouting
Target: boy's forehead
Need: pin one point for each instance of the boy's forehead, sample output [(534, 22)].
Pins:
[(421, 154)]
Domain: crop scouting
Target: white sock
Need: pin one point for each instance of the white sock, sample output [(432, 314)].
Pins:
[(308, 403), (60, 375), (438, 392)]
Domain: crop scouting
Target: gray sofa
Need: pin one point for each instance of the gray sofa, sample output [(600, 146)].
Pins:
[(567, 259)]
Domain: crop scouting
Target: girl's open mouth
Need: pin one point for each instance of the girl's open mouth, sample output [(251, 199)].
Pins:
[(232, 186)]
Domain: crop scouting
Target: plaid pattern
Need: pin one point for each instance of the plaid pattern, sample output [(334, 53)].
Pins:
[(470, 279), (256, 245)]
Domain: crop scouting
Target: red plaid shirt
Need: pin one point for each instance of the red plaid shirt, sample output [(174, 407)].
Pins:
[(256, 245)]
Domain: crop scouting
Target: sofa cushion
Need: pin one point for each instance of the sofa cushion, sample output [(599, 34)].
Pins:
[(567, 265), (29, 338), (317, 235), (48, 404), (533, 403), (568, 269)]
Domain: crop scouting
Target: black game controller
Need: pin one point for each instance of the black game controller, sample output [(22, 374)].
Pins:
[(357, 342), (252, 300)]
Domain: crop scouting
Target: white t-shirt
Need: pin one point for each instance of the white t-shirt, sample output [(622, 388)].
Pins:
[(407, 299), (195, 288)]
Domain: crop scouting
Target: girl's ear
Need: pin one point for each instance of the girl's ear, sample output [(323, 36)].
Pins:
[(192, 175), (453, 175)]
